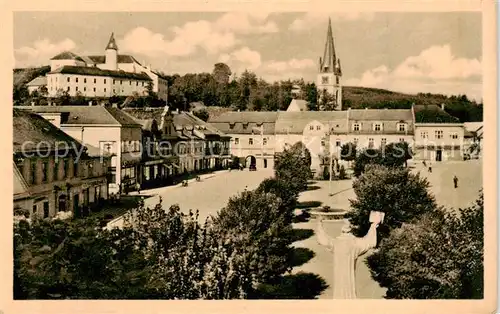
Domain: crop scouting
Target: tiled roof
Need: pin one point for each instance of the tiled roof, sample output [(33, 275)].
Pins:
[(295, 122), (20, 185), (432, 114), (69, 69), (381, 114), (181, 119), (88, 115), (246, 116), (38, 81), (245, 127), (120, 59), (67, 55), (160, 75), (29, 129), (112, 43)]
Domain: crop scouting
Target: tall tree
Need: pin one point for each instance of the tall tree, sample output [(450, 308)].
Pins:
[(439, 256), (311, 96), (221, 73), (380, 188)]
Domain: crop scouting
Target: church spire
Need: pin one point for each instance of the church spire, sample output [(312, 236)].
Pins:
[(328, 64), (112, 43)]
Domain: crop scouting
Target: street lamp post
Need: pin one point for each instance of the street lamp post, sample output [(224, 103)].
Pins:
[(330, 156)]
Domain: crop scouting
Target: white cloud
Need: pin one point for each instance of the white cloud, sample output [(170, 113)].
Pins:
[(242, 59), (41, 51), (273, 70), (245, 23), (186, 40), (292, 64), (319, 18), (434, 70), (212, 36), (437, 62)]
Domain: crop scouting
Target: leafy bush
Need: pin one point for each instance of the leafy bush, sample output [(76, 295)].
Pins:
[(298, 286), (440, 256), (282, 190), (158, 254), (293, 165), (259, 228), (392, 155), (348, 151), (401, 195)]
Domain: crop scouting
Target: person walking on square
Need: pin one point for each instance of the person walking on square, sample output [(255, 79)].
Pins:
[(455, 181), (138, 187), (430, 168), (424, 163)]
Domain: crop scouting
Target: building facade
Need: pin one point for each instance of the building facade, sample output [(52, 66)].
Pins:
[(324, 133), (180, 143), (105, 75), (52, 171), (110, 130), (252, 135), (438, 135)]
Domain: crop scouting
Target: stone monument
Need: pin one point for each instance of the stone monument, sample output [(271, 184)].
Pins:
[(346, 249)]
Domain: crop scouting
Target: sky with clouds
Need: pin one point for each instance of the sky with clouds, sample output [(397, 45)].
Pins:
[(436, 52)]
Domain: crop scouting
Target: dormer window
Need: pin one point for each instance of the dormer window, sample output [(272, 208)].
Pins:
[(318, 127), (245, 126), (311, 127), (231, 125), (401, 127), (356, 127), (377, 127)]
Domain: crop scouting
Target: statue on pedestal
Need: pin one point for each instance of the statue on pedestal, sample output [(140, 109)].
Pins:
[(346, 249)]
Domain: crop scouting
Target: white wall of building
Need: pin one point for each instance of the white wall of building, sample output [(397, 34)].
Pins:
[(94, 86), (433, 137)]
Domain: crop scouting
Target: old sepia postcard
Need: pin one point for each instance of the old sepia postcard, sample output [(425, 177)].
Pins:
[(320, 157)]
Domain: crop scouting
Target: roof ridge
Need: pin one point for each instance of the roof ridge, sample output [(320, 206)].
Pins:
[(21, 179), (106, 109)]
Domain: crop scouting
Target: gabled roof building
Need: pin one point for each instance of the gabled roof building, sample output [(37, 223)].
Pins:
[(103, 76)]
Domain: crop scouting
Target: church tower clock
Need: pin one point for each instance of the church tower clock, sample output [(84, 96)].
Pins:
[(328, 82)]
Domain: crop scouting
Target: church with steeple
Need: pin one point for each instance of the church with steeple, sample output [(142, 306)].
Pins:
[(328, 82)]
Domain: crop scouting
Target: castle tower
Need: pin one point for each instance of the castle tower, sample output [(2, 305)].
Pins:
[(330, 72), (111, 62)]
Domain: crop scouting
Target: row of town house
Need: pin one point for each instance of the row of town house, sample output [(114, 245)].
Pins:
[(120, 150), (256, 136), (115, 149)]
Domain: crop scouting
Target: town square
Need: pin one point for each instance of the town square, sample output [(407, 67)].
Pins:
[(203, 165)]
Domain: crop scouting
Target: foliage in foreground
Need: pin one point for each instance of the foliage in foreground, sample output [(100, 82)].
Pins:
[(293, 165), (391, 155), (440, 256), (258, 225), (397, 192), (168, 255)]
